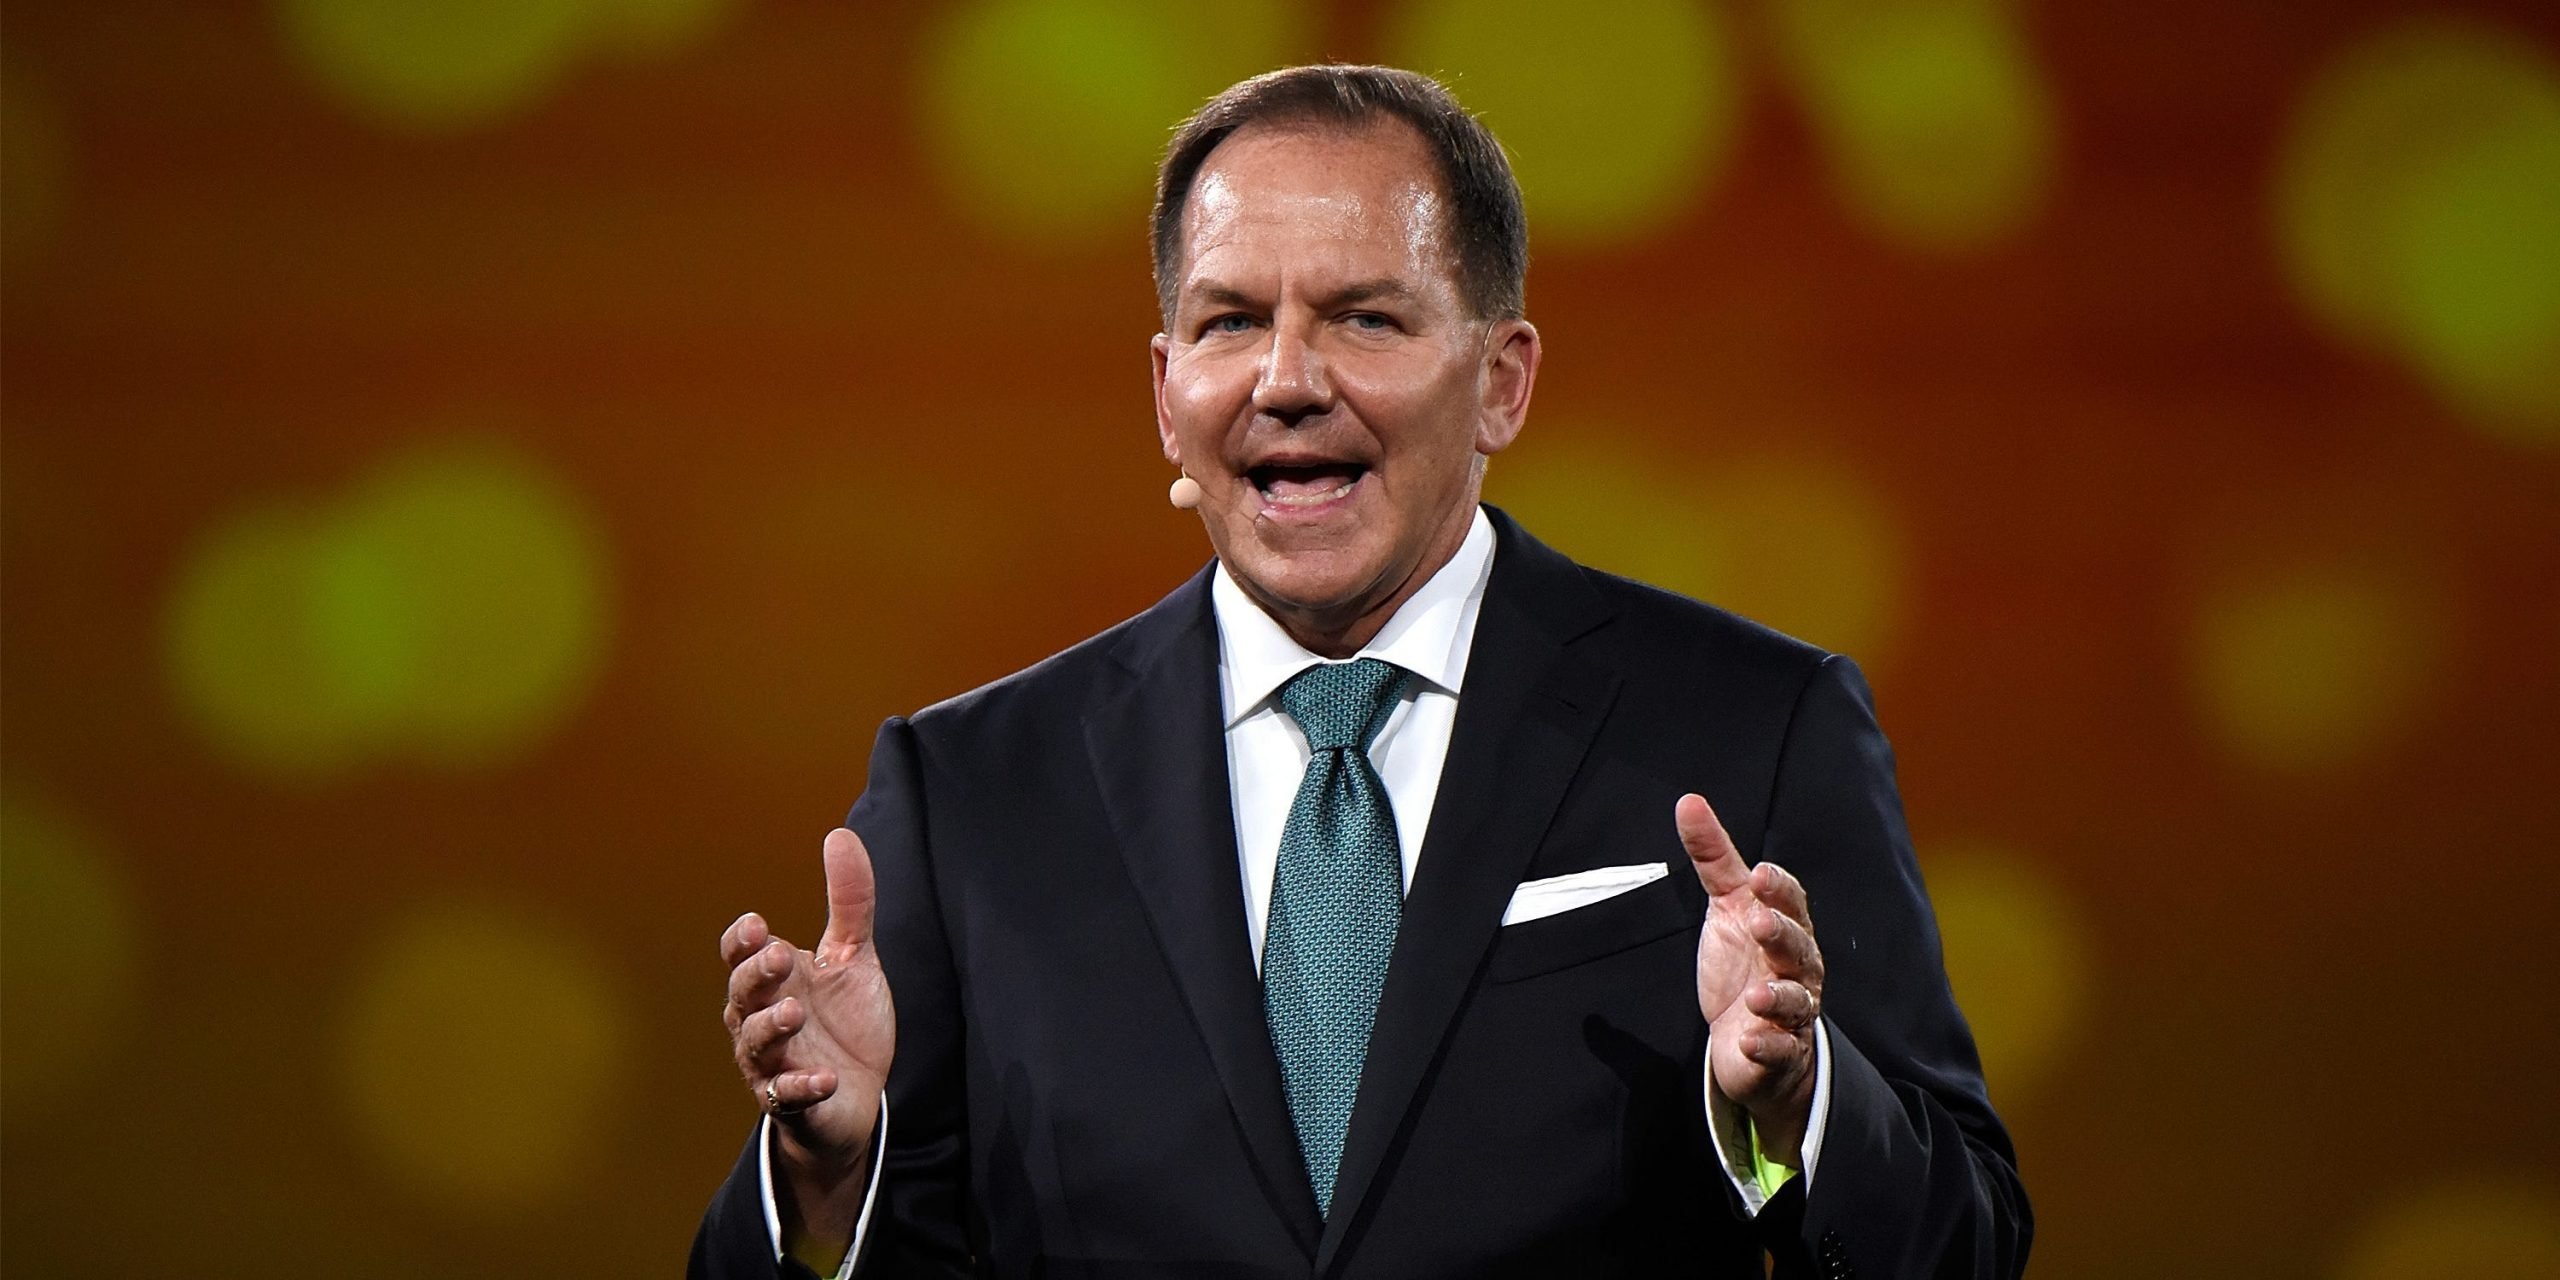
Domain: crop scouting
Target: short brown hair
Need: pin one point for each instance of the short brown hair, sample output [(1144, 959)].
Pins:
[(1484, 223)]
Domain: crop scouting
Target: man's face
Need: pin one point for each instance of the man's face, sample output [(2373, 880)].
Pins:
[(1322, 378)]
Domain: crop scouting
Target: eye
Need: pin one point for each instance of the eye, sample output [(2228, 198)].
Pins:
[(1231, 322), (1370, 322)]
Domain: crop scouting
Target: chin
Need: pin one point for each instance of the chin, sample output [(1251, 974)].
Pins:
[(1315, 581)]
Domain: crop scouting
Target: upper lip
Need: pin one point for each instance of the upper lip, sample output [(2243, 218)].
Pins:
[(1301, 458)]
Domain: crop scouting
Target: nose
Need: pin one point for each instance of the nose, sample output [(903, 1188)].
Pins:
[(1292, 385)]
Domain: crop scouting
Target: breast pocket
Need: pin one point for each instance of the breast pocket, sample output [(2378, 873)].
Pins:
[(1625, 921)]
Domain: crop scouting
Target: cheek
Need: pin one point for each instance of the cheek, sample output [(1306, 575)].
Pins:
[(1434, 442), (1419, 407), (1202, 397)]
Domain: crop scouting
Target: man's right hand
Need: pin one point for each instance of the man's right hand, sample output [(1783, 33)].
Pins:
[(813, 1032)]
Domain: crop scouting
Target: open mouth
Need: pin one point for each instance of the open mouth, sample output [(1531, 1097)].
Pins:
[(1305, 484)]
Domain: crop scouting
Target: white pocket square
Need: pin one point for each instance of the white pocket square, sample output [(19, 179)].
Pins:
[(1538, 899)]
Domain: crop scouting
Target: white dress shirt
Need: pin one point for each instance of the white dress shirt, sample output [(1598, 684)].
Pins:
[(1430, 635)]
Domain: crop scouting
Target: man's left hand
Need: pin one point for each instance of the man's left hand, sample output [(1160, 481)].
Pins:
[(1759, 983)]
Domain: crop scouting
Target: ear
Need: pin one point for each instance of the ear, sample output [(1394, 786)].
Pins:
[(1159, 351), (1510, 373)]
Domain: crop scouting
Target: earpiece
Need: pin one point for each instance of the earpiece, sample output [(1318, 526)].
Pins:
[(1185, 494)]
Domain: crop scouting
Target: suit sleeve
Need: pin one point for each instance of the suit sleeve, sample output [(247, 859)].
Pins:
[(733, 1242), (1918, 1177), (919, 1221)]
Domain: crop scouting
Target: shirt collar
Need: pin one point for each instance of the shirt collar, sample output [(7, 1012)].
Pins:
[(1425, 636)]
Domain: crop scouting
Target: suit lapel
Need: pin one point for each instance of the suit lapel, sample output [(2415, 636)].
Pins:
[(1159, 755), (1525, 718)]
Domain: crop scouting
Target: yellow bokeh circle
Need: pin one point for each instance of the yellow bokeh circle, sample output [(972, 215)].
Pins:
[(443, 66), (1935, 117), (1803, 544), (498, 582), (2307, 663), (1614, 123), (434, 65), (1046, 118), (2417, 202), (2018, 955), (2478, 1227), (453, 606), (70, 959), (481, 1056), (249, 652)]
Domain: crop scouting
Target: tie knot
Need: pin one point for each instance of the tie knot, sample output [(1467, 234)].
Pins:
[(1343, 704)]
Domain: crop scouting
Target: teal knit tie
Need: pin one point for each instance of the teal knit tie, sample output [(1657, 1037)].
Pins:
[(1335, 901)]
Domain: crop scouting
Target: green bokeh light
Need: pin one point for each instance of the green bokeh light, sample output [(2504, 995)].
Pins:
[(1613, 124), (1046, 117), (2418, 203), (266, 682), (2483, 264), (435, 65), (1937, 123), (69, 957), (504, 583), (452, 607)]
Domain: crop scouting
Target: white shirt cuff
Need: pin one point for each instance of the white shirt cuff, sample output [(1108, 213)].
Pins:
[(870, 1193), (1736, 1146)]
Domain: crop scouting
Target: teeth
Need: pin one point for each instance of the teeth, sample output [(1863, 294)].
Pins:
[(1310, 499)]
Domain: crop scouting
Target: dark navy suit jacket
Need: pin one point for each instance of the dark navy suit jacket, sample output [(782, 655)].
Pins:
[(1084, 1085)]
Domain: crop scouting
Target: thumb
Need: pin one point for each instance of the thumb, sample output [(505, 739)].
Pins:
[(850, 892), (1711, 851)]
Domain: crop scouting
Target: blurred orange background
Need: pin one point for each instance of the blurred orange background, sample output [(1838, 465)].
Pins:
[(477, 472)]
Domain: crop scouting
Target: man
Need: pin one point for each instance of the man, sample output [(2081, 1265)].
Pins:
[(1360, 909)]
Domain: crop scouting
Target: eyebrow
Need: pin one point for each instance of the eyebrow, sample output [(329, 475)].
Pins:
[(1383, 288), (1380, 288), (1218, 295)]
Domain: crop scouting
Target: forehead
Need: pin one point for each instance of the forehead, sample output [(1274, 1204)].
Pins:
[(1311, 194)]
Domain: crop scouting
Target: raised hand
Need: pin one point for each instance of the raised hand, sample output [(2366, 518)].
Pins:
[(813, 1032), (1759, 982)]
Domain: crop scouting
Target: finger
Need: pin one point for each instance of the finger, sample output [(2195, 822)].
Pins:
[(1711, 851), (849, 893), (766, 1032), (1787, 1004), (1788, 946), (800, 1090), (1779, 888), (1774, 1049), (753, 983), (744, 935)]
